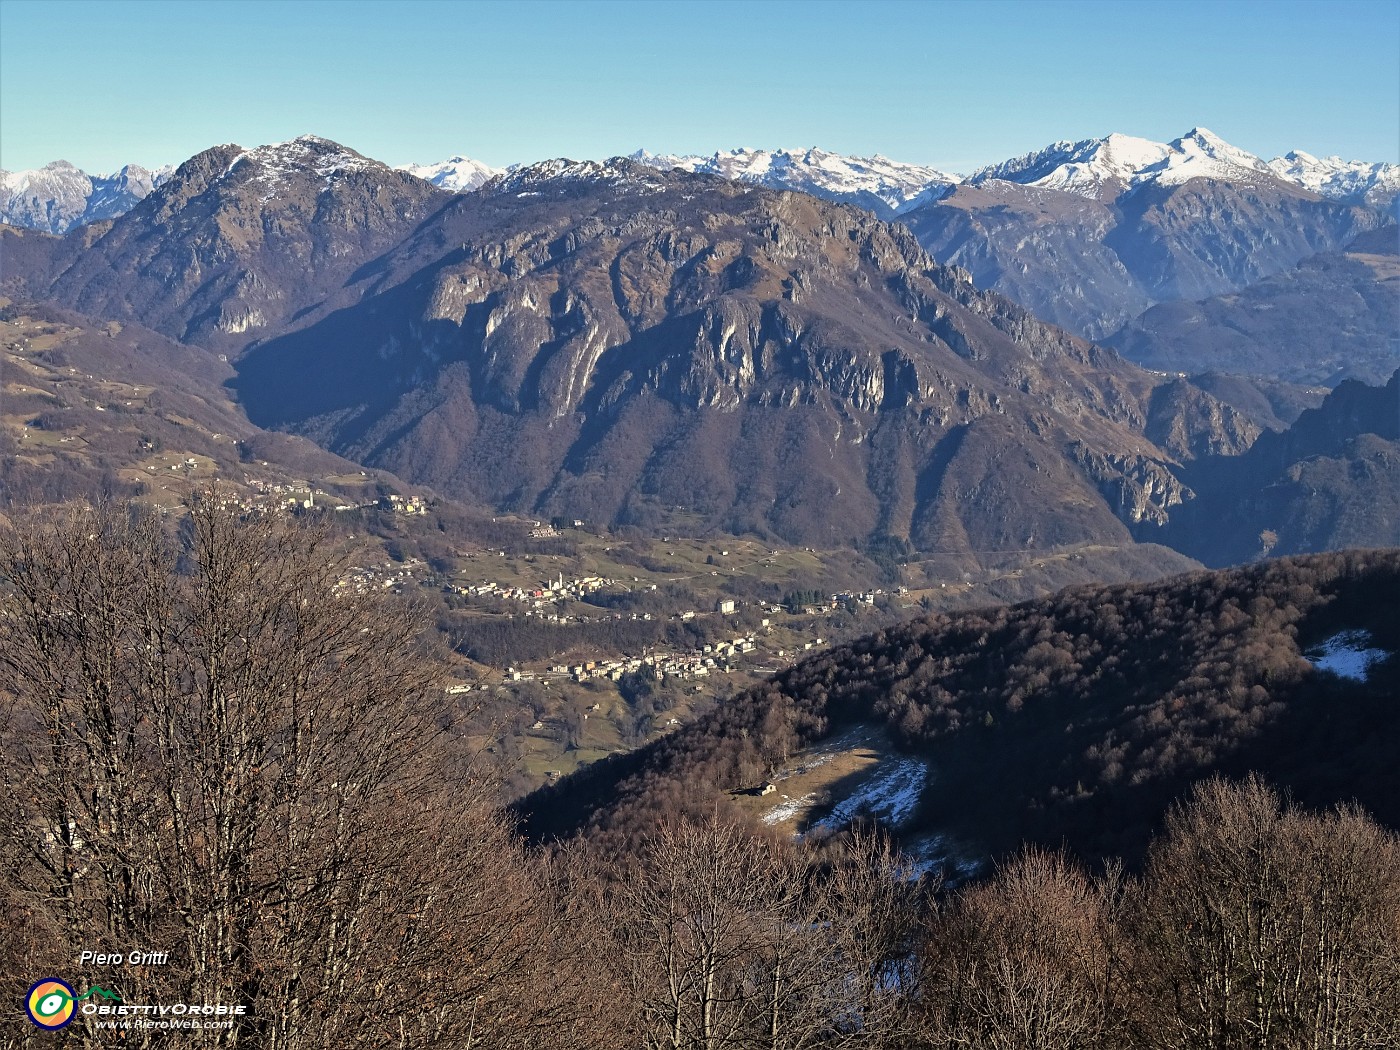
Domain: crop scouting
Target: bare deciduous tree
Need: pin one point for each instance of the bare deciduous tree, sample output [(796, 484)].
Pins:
[(1024, 962), (213, 748), (1261, 926)]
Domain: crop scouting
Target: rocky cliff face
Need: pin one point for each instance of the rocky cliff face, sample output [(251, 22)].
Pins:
[(1044, 248), (632, 346), (627, 345), (1206, 237), (238, 240)]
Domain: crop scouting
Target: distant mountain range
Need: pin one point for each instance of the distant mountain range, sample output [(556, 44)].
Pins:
[(631, 345), (886, 187), (58, 196), (1088, 235), (44, 198), (1104, 168)]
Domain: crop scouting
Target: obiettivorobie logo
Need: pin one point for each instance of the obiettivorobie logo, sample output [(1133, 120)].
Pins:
[(52, 1004)]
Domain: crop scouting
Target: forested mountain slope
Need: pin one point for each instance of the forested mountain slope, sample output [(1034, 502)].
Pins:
[(1075, 718)]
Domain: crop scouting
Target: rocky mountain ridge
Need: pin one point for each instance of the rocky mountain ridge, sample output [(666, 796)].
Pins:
[(1104, 169), (1332, 479), (1092, 265), (628, 345), (620, 343), (42, 198), (884, 186), (1377, 184), (1088, 235), (58, 197), (236, 240), (1334, 316)]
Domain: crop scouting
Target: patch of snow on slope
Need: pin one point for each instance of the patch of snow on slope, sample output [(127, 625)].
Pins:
[(559, 172), (1347, 655), (788, 809), (890, 795), (274, 165), (938, 854)]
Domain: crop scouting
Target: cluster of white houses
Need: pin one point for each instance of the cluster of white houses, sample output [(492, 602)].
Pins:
[(267, 496), (301, 495), (694, 664), (536, 597), (389, 574)]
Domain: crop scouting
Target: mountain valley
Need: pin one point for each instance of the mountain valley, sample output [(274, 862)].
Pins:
[(591, 526), (687, 348)]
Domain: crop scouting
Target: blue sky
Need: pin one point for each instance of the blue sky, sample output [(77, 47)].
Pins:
[(955, 85)]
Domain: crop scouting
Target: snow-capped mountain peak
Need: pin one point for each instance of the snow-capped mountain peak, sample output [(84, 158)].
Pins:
[(555, 176), (277, 161), (1377, 184), (1202, 154), (885, 186), (1091, 168), (1104, 168), (457, 173), (60, 196)]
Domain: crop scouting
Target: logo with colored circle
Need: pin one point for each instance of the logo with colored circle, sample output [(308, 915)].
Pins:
[(51, 1003)]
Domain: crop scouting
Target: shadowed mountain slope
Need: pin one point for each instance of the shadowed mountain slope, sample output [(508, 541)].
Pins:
[(1330, 480), (1334, 316), (91, 409)]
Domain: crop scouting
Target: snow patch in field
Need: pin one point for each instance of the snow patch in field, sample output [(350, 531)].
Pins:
[(788, 809), (1347, 655), (890, 795)]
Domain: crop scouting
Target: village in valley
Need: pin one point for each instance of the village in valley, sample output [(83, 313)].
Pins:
[(567, 640), (606, 640)]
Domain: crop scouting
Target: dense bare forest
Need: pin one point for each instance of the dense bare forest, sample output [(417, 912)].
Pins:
[(211, 749)]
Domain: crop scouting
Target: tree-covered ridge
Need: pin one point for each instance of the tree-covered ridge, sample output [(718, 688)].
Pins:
[(1078, 716)]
